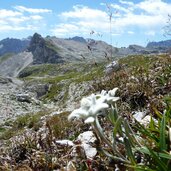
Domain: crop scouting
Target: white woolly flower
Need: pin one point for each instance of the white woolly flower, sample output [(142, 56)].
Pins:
[(90, 108), (93, 105), (108, 97)]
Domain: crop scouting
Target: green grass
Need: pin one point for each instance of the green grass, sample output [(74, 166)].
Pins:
[(2, 129), (18, 126), (60, 76)]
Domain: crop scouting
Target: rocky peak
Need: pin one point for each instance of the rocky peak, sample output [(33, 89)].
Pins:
[(43, 50), (78, 39), (37, 40)]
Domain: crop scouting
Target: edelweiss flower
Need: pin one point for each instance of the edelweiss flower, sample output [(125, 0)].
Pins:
[(90, 108), (108, 97)]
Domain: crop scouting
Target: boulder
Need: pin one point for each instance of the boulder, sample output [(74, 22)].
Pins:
[(23, 98), (87, 139), (112, 67), (41, 89)]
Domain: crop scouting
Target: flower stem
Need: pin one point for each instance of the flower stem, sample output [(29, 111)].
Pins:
[(99, 131)]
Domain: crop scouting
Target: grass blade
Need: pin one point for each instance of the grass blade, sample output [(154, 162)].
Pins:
[(161, 155), (117, 127), (161, 165), (129, 151), (162, 140)]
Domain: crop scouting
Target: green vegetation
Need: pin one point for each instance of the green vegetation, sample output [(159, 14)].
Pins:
[(138, 61), (17, 126), (60, 76), (144, 85)]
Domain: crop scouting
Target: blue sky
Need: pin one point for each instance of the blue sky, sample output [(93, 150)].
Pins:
[(132, 22)]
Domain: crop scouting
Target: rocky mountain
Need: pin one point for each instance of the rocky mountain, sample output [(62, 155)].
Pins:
[(162, 44), (78, 39), (10, 45), (57, 50), (43, 51), (53, 50)]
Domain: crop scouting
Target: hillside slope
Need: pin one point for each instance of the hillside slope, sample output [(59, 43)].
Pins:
[(12, 64)]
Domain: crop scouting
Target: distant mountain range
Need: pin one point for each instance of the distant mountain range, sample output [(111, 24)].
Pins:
[(162, 44), (76, 47), (15, 54), (10, 45)]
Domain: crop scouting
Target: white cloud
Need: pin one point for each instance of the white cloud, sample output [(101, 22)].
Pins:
[(9, 13), (150, 33), (130, 32), (17, 19), (126, 2), (31, 10), (36, 17), (116, 34), (148, 17), (85, 13), (63, 30), (6, 28), (81, 21), (145, 16), (120, 8), (155, 7), (142, 21)]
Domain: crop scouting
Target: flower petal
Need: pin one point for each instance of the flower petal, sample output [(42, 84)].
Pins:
[(89, 120), (112, 92), (101, 99), (103, 92), (95, 109), (112, 99), (85, 103), (78, 113)]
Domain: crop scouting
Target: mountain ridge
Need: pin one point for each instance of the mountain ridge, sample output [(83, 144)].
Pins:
[(53, 50), (13, 45)]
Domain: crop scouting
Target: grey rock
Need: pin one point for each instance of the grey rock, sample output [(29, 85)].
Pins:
[(41, 90), (23, 98), (15, 63), (43, 51), (4, 80), (112, 67)]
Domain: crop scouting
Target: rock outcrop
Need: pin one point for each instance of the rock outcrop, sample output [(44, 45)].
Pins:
[(78, 39), (112, 67), (43, 51)]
